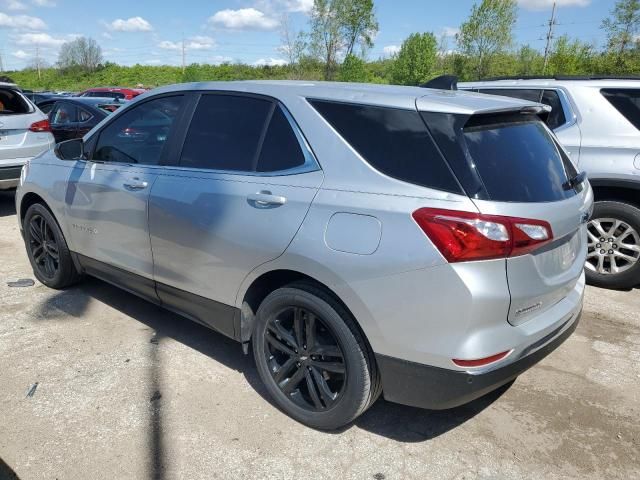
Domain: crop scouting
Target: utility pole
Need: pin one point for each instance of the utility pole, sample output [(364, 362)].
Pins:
[(547, 48), (183, 60), (38, 61)]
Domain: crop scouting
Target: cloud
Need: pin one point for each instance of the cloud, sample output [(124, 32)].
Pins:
[(391, 50), (192, 43), (133, 24), (153, 61), (243, 19), (449, 31), (40, 39), (270, 62), (44, 3), (21, 54), (23, 22), (293, 6), (15, 5), (548, 4)]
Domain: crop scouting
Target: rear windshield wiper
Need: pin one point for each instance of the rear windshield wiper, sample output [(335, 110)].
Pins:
[(574, 181)]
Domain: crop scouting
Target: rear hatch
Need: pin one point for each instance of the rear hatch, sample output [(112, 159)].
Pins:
[(16, 117), (511, 165)]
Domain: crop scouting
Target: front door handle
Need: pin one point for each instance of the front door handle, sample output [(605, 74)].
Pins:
[(135, 184), (266, 199)]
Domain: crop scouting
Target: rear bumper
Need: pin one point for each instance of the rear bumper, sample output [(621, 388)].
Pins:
[(9, 177), (438, 388)]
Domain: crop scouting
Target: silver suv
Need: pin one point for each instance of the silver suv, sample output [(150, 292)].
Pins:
[(598, 122), (362, 239), (24, 133)]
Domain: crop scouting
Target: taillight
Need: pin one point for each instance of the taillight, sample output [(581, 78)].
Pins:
[(41, 126), (466, 236)]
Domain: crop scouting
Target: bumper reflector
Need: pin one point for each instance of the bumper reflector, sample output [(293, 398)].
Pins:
[(481, 362)]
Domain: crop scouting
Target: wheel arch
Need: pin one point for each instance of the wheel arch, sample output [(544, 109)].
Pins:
[(626, 191), (270, 281)]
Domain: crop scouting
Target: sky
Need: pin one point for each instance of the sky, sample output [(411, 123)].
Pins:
[(151, 32)]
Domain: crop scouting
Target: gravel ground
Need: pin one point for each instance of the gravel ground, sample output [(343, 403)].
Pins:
[(96, 383)]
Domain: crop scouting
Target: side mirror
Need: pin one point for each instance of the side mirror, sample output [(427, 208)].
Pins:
[(70, 149)]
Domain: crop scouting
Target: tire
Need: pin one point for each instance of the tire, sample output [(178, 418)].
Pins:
[(626, 235), (354, 390), (53, 272)]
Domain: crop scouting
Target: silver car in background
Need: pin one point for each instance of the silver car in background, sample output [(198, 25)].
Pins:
[(423, 244), (24, 133), (598, 121)]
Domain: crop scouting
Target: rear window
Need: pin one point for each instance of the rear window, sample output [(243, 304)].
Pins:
[(393, 141), (11, 103), (518, 160), (626, 101)]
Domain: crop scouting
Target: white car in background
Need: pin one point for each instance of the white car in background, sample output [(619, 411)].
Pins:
[(597, 119), (24, 134)]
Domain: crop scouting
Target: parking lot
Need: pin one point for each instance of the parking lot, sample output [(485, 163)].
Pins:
[(96, 383)]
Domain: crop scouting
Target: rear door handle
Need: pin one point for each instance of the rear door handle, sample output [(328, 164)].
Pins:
[(266, 199), (135, 184)]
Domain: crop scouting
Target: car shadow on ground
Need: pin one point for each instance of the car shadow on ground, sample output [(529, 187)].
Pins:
[(7, 203), (401, 423), (6, 472)]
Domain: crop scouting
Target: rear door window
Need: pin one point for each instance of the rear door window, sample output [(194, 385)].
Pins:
[(225, 133), (281, 149), (64, 113), (626, 101), (556, 117), (518, 160), (393, 141)]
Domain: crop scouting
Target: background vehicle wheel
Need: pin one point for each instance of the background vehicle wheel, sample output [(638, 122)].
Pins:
[(613, 255), (312, 358), (47, 249)]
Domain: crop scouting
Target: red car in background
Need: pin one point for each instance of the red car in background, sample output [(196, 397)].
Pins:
[(113, 92)]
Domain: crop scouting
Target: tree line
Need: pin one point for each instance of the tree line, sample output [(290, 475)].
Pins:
[(337, 42)]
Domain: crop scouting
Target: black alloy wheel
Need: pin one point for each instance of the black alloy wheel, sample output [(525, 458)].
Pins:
[(43, 247), (305, 359)]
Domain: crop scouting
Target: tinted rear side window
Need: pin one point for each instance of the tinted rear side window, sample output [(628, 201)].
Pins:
[(225, 133), (395, 142), (626, 101), (281, 149), (519, 161)]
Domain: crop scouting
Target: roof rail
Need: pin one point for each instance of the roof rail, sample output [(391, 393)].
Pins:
[(562, 77), (443, 82)]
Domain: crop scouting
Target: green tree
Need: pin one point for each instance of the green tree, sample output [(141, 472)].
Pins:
[(529, 61), (416, 61), (82, 53), (337, 26), (327, 36), (487, 33), (622, 29), (353, 69), (359, 24), (571, 57)]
